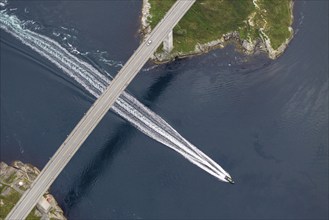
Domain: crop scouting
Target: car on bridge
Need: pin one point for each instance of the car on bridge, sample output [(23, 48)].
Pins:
[(148, 43)]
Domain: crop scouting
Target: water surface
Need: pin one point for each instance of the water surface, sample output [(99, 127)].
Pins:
[(264, 121)]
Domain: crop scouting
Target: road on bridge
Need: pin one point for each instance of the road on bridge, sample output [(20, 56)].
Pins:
[(97, 111)]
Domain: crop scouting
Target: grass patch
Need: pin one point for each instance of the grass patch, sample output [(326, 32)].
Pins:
[(158, 10), (2, 187), (278, 17), (32, 216), (9, 202), (11, 179), (208, 20)]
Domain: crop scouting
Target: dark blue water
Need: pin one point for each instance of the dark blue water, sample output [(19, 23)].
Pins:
[(265, 122)]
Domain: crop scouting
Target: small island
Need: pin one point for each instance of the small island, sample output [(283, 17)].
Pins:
[(255, 25), (14, 181)]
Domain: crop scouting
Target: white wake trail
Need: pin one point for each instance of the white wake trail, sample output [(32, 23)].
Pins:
[(95, 83)]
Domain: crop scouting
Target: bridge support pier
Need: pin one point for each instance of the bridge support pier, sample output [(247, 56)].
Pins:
[(168, 43)]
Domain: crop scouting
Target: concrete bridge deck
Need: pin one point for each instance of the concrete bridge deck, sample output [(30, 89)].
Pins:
[(101, 106)]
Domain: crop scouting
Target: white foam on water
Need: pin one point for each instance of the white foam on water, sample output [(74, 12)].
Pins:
[(95, 83)]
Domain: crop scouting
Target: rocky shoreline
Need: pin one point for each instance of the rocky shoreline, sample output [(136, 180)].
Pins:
[(14, 181), (261, 45)]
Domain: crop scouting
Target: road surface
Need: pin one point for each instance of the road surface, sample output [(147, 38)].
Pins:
[(98, 110)]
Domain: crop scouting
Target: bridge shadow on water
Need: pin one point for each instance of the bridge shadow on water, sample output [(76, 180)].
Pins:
[(82, 185)]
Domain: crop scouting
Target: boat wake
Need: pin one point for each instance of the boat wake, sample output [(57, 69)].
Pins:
[(95, 83)]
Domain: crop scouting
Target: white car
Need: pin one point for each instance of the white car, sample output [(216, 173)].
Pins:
[(148, 43)]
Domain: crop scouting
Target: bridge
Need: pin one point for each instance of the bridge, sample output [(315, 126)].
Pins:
[(97, 111)]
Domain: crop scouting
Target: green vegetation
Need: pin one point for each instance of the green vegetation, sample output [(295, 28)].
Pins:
[(11, 178), (209, 20), (9, 197), (9, 202), (32, 216), (278, 17), (2, 187)]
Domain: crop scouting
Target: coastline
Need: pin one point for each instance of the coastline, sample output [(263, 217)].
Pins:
[(15, 179), (261, 45)]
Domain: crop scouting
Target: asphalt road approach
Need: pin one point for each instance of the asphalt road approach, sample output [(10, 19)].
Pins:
[(97, 111)]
